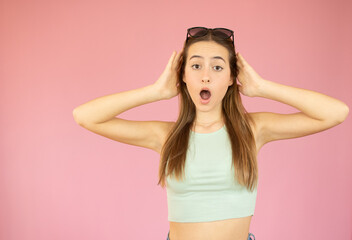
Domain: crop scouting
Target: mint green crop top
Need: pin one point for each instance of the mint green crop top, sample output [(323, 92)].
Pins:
[(209, 191)]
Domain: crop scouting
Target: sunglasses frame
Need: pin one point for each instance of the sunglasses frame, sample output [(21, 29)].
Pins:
[(212, 29)]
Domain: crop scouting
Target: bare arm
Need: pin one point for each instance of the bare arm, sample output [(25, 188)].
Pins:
[(313, 104), (99, 115), (105, 108), (317, 111)]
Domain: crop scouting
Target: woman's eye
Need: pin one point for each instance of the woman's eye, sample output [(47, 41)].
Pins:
[(215, 66), (195, 65), (218, 66)]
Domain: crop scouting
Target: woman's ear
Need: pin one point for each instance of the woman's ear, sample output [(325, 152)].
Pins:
[(230, 81)]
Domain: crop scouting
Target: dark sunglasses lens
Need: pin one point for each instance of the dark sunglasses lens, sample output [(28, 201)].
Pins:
[(222, 33), (198, 32)]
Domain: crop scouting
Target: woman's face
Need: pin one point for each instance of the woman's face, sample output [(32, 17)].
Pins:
[(207, 65)]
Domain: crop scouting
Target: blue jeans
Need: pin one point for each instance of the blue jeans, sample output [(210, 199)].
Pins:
[(249, 236)]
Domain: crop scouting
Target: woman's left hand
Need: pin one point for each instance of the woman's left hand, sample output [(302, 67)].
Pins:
[(249, 79)]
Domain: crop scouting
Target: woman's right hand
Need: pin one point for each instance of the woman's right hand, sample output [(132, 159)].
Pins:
[(167, 82)]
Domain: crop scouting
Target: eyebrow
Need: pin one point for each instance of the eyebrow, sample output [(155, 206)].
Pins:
[(215, 57)]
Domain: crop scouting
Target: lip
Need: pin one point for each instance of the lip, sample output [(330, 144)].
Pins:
[(205, 88), (205, 101)]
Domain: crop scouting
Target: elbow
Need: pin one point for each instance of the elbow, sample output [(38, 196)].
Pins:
[(337, 116), (75, 116), (342, 115)]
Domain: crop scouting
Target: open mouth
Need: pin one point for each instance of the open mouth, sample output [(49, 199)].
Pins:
[(205, 94)]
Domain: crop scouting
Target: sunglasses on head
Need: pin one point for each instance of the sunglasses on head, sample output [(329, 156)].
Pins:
[(222, 33)]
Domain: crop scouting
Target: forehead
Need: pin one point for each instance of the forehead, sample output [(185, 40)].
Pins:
[(207, 50)]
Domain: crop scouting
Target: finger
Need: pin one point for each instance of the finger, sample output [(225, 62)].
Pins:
[(239, 62), (171, 59), (176, 60), (177, 57), (242, 59)]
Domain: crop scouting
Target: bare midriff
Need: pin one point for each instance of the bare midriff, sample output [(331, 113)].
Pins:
[(228, 229)]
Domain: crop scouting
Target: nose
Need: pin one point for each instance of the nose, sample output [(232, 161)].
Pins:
[(205, 77)]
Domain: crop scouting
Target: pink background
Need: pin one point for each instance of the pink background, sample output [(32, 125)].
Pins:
[(59, 181)]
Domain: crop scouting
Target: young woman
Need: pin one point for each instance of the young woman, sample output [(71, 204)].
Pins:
[(208, 156)]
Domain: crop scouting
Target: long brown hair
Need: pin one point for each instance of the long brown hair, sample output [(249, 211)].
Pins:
[(236, 118)]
